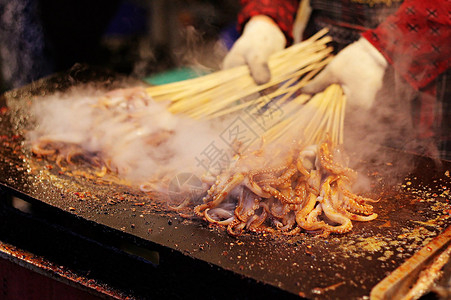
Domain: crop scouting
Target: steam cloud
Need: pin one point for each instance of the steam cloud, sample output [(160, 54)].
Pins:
[(137, 136)]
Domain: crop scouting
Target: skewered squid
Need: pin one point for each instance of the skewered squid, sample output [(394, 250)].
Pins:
[(309, 191)]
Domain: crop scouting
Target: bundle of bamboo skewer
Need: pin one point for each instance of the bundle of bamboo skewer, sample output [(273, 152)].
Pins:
[(232, 91)]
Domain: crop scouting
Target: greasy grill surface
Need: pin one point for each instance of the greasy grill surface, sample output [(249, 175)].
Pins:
[(414, 207)]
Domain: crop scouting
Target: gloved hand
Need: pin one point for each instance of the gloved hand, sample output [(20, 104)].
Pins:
[(261, 37), (359, 68)]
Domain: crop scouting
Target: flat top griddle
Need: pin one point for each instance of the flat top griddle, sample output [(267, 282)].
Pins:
[(414, 208)]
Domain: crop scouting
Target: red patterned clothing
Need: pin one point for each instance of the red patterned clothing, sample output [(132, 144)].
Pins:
[(416, 40), (282, 12)]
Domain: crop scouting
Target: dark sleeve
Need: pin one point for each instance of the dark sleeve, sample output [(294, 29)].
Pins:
[(416, 40), (283, 12)]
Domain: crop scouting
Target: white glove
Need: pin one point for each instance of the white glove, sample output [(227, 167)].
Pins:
[(359, 69), (261, 37)]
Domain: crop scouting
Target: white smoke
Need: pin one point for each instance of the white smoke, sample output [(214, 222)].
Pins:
[(138, 137)]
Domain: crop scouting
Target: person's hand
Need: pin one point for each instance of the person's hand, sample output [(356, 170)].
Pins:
[(359, 68), (261, 37)]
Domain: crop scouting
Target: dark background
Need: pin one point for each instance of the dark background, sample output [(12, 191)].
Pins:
[(133, 37)]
